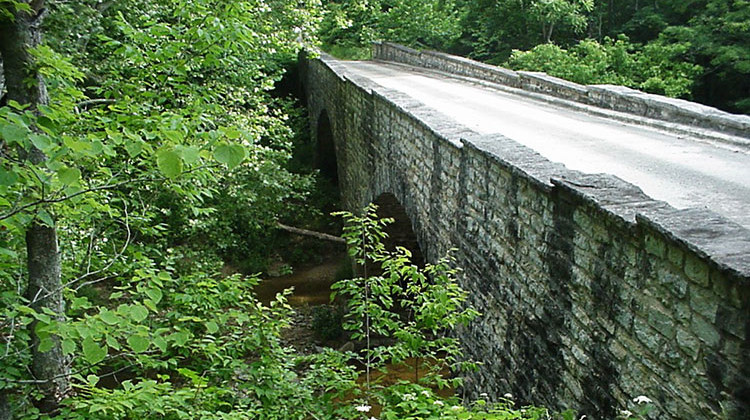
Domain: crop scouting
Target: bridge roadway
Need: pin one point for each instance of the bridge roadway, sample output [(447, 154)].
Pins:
[(685, 172)]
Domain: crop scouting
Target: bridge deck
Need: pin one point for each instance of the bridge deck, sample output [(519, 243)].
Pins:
[(683, 171)]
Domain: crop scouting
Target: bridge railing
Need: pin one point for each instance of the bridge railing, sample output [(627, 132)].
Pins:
[(704, 121)]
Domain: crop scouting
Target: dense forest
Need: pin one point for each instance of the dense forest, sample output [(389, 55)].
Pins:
[(149, 150), (692, 49)]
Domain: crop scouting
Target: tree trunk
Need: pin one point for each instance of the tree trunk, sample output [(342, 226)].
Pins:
[(5, 413), (17, 36), (44, 277)]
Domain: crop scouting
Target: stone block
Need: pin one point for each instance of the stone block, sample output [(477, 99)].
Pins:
[(705, 331), (617, 350), (733, 321), (661, 321), (696, 270), (675, 255), (704, 302), (654, 245), (646, 335), (726, 289), (673, 281)]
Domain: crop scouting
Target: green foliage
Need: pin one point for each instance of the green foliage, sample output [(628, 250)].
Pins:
[(655, 68), (350, 26), (418, 308), (214, 350), (406, 401), (156, 105)]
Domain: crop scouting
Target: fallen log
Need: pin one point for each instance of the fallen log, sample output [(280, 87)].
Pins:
[(311, 233)]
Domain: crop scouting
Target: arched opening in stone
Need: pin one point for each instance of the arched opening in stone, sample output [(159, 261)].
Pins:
[(400, 232), (325, 154)]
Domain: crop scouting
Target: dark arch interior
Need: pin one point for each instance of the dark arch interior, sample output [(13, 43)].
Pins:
[(400, 232), (325, 158)]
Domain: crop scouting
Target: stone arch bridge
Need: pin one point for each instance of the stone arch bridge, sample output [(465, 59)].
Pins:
[(592, 291)]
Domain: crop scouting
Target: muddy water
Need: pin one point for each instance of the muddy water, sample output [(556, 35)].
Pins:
[(312, 285)]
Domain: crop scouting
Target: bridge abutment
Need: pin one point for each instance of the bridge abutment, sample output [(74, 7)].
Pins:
[(591, 292)]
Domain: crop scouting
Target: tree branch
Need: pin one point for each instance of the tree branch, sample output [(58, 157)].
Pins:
[(313, 234)]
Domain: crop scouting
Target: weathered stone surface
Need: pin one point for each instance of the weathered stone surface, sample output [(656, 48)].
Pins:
[(591, 292)]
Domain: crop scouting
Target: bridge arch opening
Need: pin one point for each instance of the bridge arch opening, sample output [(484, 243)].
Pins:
[(325, 153), (400, 232)]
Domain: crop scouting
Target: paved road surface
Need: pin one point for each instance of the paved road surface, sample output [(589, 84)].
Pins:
[(685, 172)]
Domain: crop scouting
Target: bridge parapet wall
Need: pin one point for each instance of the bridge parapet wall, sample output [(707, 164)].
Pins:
[(672, 112), (592, 293)]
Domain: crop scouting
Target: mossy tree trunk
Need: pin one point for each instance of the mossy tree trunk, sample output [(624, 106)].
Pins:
[(50, 369)]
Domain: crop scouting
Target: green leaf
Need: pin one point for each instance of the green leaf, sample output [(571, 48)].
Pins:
[(45, 217), (13, 133), (180, 337), (161, 343), (109, 317), (169, 163), (150, 304), (92, 352), (68, 346), (138, 313), (134, 148), (189, 154), (232, 133), (47, 123), (7, 178), (45, 343), (92, 380), (230, 154), (40, 142), (155, 294), (138, 343), (211, 327), (69, 176), (112, 342)]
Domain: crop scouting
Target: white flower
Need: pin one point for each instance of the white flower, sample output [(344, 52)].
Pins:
[(364, 408), (626, 413), (409, 397), (455, 407), (438, 402), (483, 395), (373, 418), (508, 395), (426, 393), (642, 399)]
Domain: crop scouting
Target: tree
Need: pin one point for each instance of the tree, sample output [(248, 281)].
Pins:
[(20, 33), (552, 14), (718, 38), (356, 24)]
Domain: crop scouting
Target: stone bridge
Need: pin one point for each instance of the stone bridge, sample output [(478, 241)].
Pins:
[(592, 292)]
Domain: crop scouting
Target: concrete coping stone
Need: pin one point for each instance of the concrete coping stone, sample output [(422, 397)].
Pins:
[(519, 159), (431, 120), (620, 199), (510, 77), (552, 82), (705, 233)]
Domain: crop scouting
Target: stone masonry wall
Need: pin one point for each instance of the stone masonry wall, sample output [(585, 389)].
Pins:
[(591, 292)]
